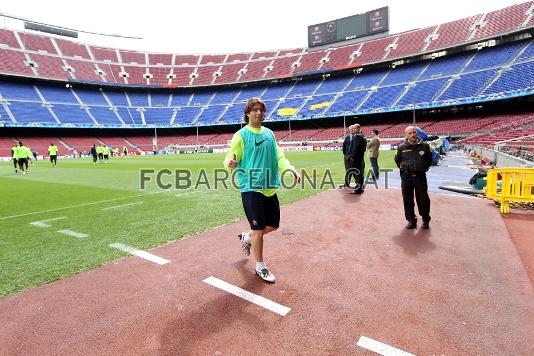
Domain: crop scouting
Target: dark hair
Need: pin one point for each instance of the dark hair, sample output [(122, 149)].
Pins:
[(375, 131), (250, 103)]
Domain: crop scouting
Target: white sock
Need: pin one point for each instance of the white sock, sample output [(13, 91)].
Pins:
[(260, 265), (246, 237)]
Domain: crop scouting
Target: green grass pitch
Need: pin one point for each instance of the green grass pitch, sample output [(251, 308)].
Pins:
[(77, 192)]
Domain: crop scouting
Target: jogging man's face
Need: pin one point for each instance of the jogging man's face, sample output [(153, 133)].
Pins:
[(256, 114)]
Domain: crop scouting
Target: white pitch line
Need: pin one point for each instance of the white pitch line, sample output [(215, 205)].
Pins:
[(122, 206), (79, 235), (194, 192), (251, 297), (140, 253), (43, 223), (79, 205), (380, 348)]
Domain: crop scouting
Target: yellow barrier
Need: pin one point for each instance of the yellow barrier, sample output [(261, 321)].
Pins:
[(507, 185)]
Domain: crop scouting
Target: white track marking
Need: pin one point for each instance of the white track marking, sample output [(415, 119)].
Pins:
[(194, 192), (251, 297), (79, 205), (122, 206), (380, 348), (458, 196), (140, 253), (79, 235), (43, 223)]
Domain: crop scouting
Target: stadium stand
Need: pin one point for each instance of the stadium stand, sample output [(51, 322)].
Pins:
[(494, 61), (50, 54)]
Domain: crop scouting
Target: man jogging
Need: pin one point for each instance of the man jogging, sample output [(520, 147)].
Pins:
[(258, 161)]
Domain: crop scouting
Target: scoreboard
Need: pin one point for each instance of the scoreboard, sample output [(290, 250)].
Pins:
[(348, 28)]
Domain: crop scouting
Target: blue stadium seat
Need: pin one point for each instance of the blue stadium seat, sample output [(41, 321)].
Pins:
[(347, 102), (333, 85), (519, 76), (317, 105), (186, 115), (210, 115), (494, 56), (383, 97), (422, 92), (28, 112), (72, 114), (468, 85), (158, 116), (403, 74), (130, 116), (159, 99), (224, 96), (104, 115), (20, 91), (303, 88), (445, 66), (180, 99), (57, 94), (117, 97), (138, 99)]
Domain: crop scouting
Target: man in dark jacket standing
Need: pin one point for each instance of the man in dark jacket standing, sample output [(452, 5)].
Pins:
[(94, 153), (360, 145), (414, 158), (348, 155)]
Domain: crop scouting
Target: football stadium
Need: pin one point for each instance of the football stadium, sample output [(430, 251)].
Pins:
[(132, 222)]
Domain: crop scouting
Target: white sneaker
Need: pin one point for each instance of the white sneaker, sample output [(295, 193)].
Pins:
[(245, 246), (266, 275)]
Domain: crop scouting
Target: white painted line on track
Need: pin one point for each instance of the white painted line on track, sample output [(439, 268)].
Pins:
[(458, 196), (79, 205), (43, 223), (140, 253), (194, 192), (251, 297), (79, 235), (122, 206), (380, 348)]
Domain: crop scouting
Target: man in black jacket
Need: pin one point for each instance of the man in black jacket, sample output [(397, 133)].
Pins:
[(348, 155), (414, 158), (94, 153), (360, 145)]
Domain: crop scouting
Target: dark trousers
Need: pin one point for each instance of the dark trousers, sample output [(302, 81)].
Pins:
[(359, 168), (53, 159), (15, 163), (411, 183), (94, 158), (374, 165), (349, 171)]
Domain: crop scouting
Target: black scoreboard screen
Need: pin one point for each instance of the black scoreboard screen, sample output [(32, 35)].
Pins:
[(348, 28)]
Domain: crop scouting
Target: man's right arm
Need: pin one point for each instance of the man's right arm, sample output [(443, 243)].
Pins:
[(236, 150)]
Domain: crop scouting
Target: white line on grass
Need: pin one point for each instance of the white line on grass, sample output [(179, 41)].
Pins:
[(380, 348), (79, 205), (140, 253), (43, 223), (122, 206), (79, 235), (194, 192), (251, 297)]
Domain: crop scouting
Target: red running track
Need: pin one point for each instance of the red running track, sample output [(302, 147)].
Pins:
[(344, 265)]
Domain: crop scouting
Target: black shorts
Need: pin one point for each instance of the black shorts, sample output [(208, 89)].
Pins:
[(261, 211)]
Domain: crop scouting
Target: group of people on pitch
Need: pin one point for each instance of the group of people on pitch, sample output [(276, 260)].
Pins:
[(257, 159), (22, 155)]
